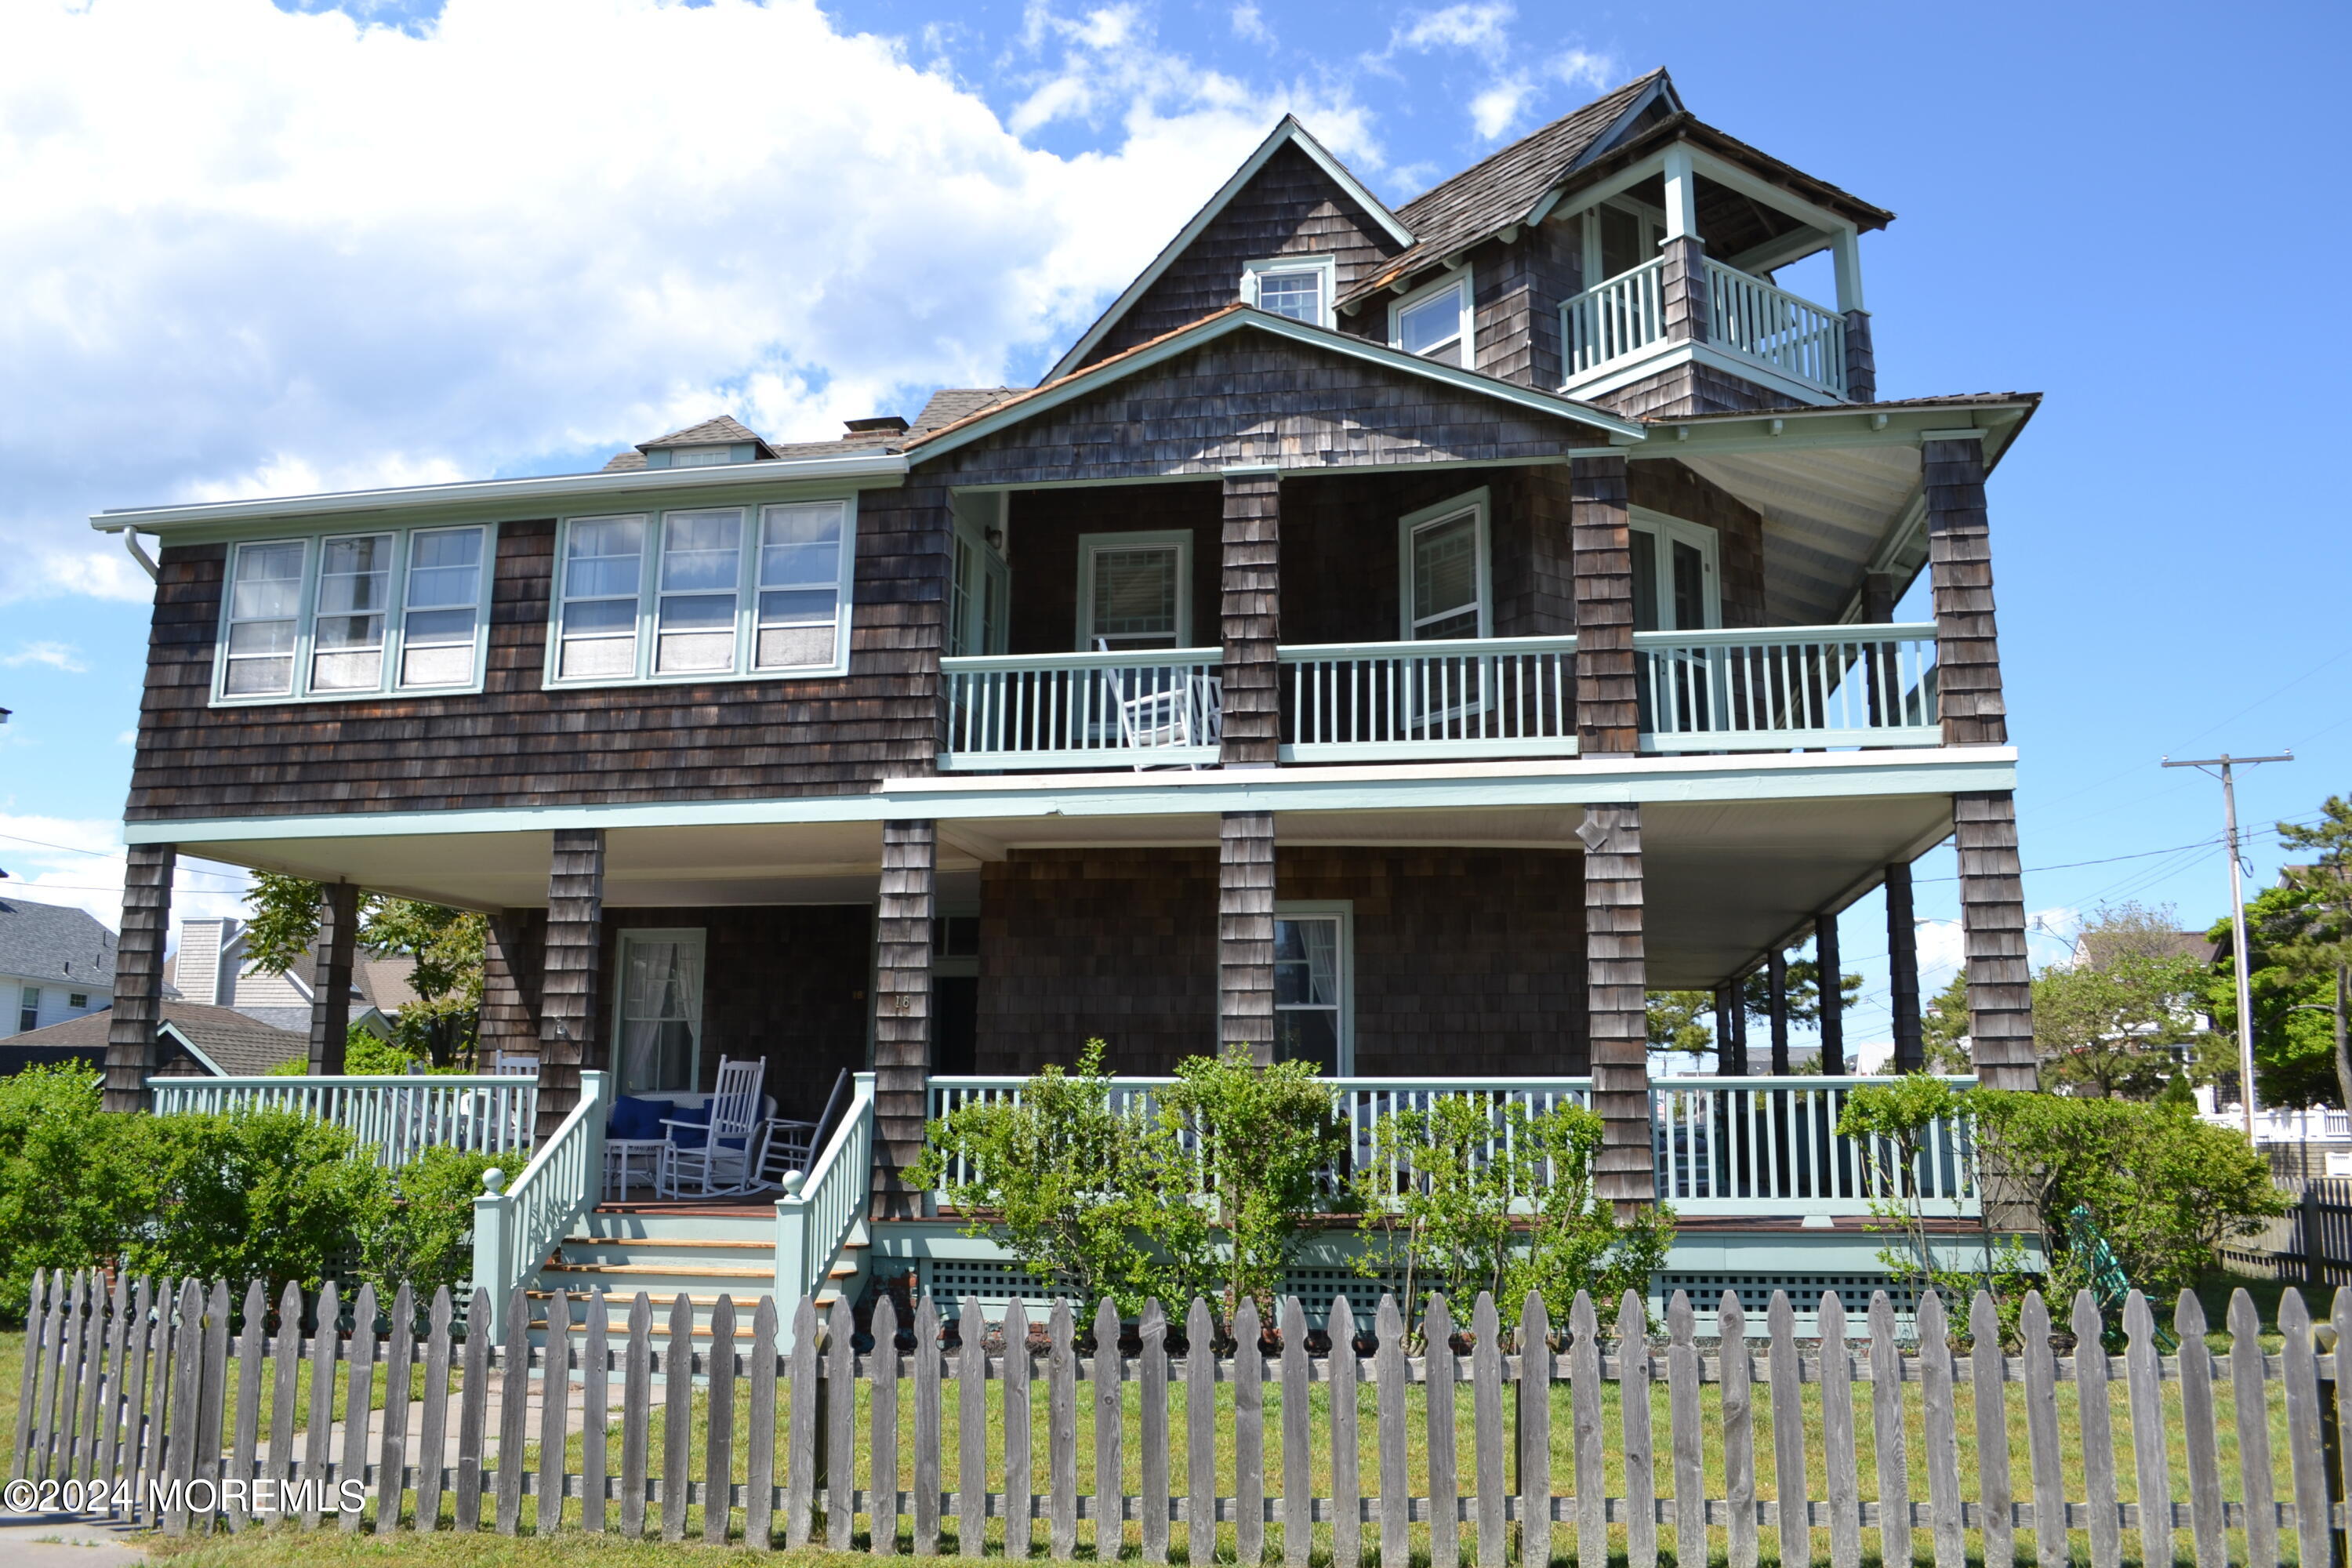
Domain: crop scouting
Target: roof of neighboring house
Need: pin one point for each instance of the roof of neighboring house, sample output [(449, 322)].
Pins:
[(240, 1047), (726, 429), (53, 941), (950, 404), (382, 978)]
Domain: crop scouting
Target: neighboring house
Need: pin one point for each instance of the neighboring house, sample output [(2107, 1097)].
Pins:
[(193, 1040), (1392, 638), (56, 963), (214, 966)]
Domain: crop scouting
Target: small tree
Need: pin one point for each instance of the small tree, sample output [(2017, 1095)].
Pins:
[(1682, 1023), (2317, 946), (2113, 1024), (1943, 1029), (448, 945)]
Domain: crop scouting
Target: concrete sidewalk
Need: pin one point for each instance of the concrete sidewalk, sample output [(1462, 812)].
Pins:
[(67, 1541)]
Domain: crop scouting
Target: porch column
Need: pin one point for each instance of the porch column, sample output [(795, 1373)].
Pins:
[(1249, 617), (1825, 959), (575, 938), (1608, 717), (902, 1010), (1992, 922), (1959, 565), (139, 975), (1616, 986), (1902, 969), (1245, 932), (1730, 1031), (1682, 278), (331, 977), (1776, 1001), (509, 1025), (1861, 364)]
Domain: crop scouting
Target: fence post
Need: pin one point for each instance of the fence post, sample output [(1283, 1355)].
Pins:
[(2314, 1251), (792, 1279)]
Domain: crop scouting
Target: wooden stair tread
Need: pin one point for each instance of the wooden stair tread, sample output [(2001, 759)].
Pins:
[(665, 1270), (762, 1243)]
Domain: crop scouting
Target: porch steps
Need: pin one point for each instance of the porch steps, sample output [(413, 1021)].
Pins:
[(670, 1250)]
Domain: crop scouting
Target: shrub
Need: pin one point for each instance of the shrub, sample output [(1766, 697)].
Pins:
[(1467, 1196), (425, 1236), (257, 1195), (75, 1183)]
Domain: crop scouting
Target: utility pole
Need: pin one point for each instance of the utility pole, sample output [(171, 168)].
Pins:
[(2237, 915)]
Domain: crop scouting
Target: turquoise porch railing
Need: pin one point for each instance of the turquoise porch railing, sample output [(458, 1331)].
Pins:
[(1769, 1146), (1788, 331), (819, 1210), (1467, 697), (1159, 707), (401, 1116), (518, 1222), (1781, 687)]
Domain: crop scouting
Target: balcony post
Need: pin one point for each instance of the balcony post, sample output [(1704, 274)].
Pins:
[(331, 950), (1775, 994), (1902, 969), (1731, 1029), (1959, 558), (902, 1011), (1608, 716), (1245, 932), (1833, 998), (1992, 920), (575, 938), (139, 975), (1250, 617), (1616, 992)]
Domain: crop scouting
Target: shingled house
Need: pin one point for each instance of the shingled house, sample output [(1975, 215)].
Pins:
[(1394, 637)]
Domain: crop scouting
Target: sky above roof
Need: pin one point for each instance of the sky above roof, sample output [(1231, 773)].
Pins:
[(257, 249)]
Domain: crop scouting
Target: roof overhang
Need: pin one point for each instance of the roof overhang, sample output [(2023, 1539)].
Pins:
[(1289, 132), (1841, 488), (542, 494), (1248, 318)]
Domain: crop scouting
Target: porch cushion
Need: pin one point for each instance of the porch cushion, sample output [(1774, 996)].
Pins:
[(638, 1118), (687, 1137)]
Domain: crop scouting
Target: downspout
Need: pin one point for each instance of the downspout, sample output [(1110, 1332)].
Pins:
[(139, 553)]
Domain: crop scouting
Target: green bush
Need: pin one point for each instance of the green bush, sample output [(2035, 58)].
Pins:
[(425, 1236), (1467, 1196), (257, 1195), (74, 1181)]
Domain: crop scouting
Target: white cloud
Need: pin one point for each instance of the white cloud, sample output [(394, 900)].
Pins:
[(1249, 23), (267, 252), (1497, 110), (1481, 28), (79, 864), (1586, 68), (56, 655)]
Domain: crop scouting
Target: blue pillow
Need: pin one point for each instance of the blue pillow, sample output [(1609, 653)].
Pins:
[(684, 1138), (637, 1119)]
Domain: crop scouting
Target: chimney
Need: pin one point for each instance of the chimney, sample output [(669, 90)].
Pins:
[(880, 425), (196, 971)]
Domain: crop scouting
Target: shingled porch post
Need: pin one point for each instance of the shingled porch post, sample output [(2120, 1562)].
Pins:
[(139, 975), (1968, 660), (1249, 630), (902, 1010), (331, 950), (568, 985), (1607, 721)]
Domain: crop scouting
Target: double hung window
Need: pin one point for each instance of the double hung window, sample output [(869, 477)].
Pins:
[(354, 614), (28, 1009), (1444, 564), (1134, 591), (1435, 322), (711, 593), (1312, 984), (1299, 287)]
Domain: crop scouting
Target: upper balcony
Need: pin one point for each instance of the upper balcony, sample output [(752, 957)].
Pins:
[(1623, 323), (1775, 690)]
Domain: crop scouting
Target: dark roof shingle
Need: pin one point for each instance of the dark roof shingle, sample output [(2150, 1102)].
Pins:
[(242, 1047), (52, 941)]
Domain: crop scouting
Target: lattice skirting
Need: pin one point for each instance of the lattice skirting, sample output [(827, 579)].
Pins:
[(950, 1280), (1705, 1289)]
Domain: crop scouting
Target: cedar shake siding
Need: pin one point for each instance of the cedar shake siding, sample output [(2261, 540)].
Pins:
[(1291, 208), (1678, 491), (1466, 961), (787, 983), (1248, 398), (1689, 389), (1043, 551), (515, 744)]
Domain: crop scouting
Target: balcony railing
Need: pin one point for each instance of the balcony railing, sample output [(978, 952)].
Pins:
[(1771, 1146), (1786, 688), (1492, 697), (1796, 337), (1622, 319), (399, 1116), (1761, 1146), (1083, 710)]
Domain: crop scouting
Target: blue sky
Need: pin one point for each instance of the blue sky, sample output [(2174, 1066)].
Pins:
[(257, 249)]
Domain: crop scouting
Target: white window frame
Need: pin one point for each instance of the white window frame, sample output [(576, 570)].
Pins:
[(314, 543), (1089, 544), (1344, 910), (28, 1002), (747, 599), (1326, 267), (1591, 230), (1478, 501), (1672, 530), (693, 936), (1458, 279)]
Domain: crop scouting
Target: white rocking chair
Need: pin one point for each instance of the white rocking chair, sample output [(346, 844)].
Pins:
[(1180, 708), (724, 1162)]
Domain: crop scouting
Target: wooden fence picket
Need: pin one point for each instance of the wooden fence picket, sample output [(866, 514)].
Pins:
[(1641, 1474), (972, 1429), (1886, 1434), (1682, 1372), (1200, 1435), (1939, 1432), (1388, 1435), (1347, 1452), (1995, 1494), (2152, 1471), (1536, 1372), (28, 1383), (799, 1466), (841, 1423), (926, 1421), (1494, 1479), (473, 1414), (1584, 1423), (677, 1420), (2306, 1448), (554, 1401), (1445, 1483), (595, 1409), (1110, 1475), (1061, 1429), (1841, 1462), (433, 1421), (2201, 1438), (187, 1406), (1788, 1432), (205, 1462), (759, 1461), (2096, 1414), (882, 1441), (2250, 1397), (1297, 1440), (391, 1467), (248, 1406), (102, 1466), (358, 1396), (637, 1415), (1739, 1434), (2043, 1460), (719, 1425), (1153, 1377), (93, 1383), (514, 1392), (1249, 1438)]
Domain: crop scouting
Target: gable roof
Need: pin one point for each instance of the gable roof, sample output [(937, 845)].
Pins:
[(226, 1040), (1289, 132), (950, 404), (53, 941), (1249, 318), (726, 430)]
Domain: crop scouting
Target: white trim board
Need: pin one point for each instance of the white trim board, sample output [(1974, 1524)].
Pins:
[(1612, 377), (1289, 131), (1939, 770)]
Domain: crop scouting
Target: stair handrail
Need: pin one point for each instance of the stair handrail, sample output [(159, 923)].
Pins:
[(517, 1224), (821, 1208)]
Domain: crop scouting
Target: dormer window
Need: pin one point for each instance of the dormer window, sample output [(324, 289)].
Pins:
[(1434, 322), (698, 457), (1299, 287)]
